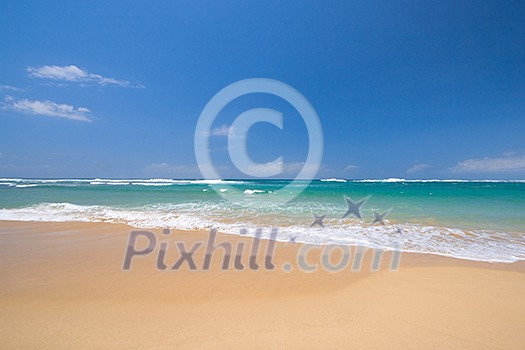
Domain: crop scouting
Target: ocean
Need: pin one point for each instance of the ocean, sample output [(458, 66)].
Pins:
[(475, 220)]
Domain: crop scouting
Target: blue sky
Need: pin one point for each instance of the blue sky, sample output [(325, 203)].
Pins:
[(410, 89)]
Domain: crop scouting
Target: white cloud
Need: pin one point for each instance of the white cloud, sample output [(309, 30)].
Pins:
[(47, 108), (74, 74), (294, 167), (222, 130), (9, 87), (487, 165), (272, 167), (350, 167), (417, 168), (287, 168)]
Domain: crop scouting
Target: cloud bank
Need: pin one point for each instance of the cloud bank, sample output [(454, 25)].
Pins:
[(417, 168), (488, 165)]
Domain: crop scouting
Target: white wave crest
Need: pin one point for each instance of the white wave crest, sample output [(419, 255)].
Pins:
[(249, 191)]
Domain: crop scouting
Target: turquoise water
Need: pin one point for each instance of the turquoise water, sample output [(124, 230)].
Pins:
[(483, 220)]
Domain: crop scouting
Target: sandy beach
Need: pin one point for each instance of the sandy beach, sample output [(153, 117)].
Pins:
[(262, 175), (63, 286)]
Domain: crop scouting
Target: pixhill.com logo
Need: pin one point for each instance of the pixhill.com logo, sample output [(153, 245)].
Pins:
[(170, 254)]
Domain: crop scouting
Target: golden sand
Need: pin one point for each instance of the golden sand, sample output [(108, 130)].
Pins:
[(63, 287)]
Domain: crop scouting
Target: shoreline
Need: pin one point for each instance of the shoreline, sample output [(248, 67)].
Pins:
[(266, 237)]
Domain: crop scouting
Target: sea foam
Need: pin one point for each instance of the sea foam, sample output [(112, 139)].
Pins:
[(480, 245)]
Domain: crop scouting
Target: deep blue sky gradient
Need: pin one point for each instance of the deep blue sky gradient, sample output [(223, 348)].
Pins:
[(395, 83)]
